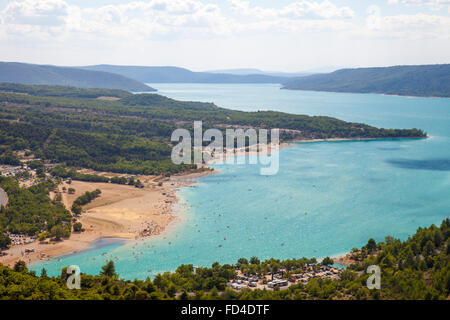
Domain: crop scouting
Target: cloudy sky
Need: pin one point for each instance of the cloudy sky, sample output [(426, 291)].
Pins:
[(282, 35)]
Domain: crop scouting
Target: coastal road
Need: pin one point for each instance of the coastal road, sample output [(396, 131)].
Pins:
[(3, 197)]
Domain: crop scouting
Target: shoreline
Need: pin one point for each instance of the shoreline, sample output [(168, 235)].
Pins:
[(374, 93), (355, 139), (243, 152), (343, 259), (124, 211)]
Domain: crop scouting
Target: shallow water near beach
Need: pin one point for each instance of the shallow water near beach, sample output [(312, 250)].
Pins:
[(327, 198)]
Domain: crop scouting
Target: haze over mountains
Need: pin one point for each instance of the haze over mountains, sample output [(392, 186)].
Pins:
[(423, 80), (170, 74), (250, 71), (302, 73), (66, 76)]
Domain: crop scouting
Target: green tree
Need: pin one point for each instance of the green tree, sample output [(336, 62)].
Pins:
[(77, 227), (241, 261), (5, 240), (20, 266), (42, 236), (58, 232), (141, 295), (76, 209), (327, 261), (109, 269), (429, 248), (171, 291), (371, 245)]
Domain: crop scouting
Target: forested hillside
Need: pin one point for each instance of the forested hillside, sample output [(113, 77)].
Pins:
[(30, 210), (132, 134), (51, 75), (63, 91), (426, 81)]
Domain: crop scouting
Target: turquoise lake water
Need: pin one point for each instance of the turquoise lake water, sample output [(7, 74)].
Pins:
[(327, 198)]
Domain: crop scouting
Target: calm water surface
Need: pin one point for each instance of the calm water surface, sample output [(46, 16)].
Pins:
[(326, 199)]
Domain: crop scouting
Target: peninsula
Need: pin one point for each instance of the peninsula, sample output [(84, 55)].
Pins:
[(62, 143)]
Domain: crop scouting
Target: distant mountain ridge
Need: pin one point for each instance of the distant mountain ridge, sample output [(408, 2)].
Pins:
[(250, 71), (170, 74), (421, 80), (25, 73)]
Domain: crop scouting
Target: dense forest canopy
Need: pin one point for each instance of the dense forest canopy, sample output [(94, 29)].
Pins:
[(30, 210), (63, 91), (132, 134), (426, 80)]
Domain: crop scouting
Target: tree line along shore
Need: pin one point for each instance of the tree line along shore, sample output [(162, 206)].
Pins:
[(53, 216), (52, 134), (59, 130), (416, 268), (79, 127)]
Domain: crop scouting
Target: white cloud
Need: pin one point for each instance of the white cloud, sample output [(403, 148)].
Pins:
[(139, 18), (198, 27), (32, 12), (406, 27), (295, 10), (169, 19), (420, 2), (434, 5), (157, 18), (417, 26)]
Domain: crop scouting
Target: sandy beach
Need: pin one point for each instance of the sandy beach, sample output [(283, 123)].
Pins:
[(121, 211), (128, 212)]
